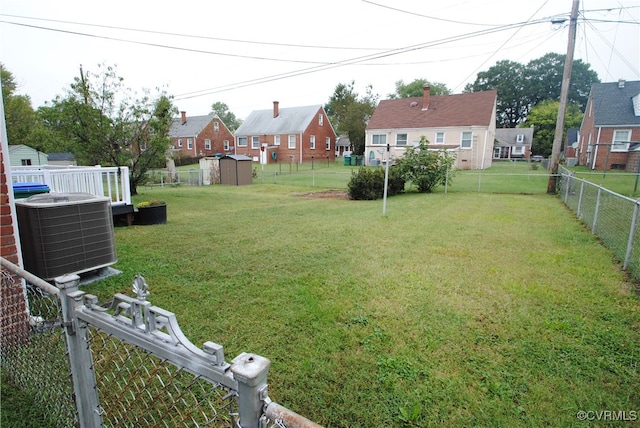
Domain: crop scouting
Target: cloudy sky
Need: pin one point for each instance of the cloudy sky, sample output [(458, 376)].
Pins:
[(249, 53)]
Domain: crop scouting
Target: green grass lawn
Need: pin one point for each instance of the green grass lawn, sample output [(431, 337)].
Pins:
[(622, 182), (457, 309)]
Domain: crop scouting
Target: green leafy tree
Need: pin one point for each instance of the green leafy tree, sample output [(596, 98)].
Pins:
[(508, 78), (108, 124), (426, 168), (349, 113), (20, 118), (545, 77), (227, 117), (416, 89), (543, 118), (522, 87)]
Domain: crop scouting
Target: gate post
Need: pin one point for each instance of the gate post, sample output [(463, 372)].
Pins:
[(250, 371), (80, 359)]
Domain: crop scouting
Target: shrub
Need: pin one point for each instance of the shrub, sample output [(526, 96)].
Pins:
[(426, 168), (367, 183)]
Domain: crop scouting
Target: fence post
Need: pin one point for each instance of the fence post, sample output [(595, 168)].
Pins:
[(567, 187), (632, 232), (596, 211), (250, 371), (579, 210), (80, 359)]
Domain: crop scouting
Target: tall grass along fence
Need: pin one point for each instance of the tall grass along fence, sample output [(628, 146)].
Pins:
[(127, 363), (612, 217)]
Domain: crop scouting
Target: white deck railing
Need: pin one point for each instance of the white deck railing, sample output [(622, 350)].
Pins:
[(112, 182)]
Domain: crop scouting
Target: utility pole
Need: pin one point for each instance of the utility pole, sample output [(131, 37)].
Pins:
[(564, 95)]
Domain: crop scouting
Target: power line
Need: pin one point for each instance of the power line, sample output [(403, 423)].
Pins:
[(352, 61), (164, 33), (158, 45)]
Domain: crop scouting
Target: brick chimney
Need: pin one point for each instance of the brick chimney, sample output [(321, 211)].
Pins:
[(276, 109), (184, 117), (425, 97)]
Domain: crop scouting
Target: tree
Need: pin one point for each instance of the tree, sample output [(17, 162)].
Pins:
[(543, 118), (508, 78), (227, 117), (349, 113), (20, 119), (109, 125), (522, 87), (545, 77), (424, 167), (416, 89)]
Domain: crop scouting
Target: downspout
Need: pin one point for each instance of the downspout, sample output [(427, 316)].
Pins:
[(301, 143), (596, 148), (484, 148)]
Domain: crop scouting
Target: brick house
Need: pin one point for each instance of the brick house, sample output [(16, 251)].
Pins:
[(609, 136), (294, 134), (464, 124), (14, 316), (198, 136)]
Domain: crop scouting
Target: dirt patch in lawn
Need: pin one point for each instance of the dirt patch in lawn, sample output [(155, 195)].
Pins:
[(327, 194)]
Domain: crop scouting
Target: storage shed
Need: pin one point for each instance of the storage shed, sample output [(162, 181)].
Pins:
[(236, 170)]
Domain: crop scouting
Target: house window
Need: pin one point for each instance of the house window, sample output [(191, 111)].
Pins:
[(207, 144), (25, 162), (226, 145), (276, 140), (242, 141), (189, 143), (312, 142), (465, 140), (179, 142), (327, 143), (439, 137), (255, 142), (216, 126), (401, 140), (520, 138), (517, 150), (620, 141), (379, 139), (292, 141), (320, 119)]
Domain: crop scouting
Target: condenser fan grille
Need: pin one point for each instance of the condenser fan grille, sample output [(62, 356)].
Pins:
[(64, 235)]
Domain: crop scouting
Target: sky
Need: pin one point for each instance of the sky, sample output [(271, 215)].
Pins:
[(249, 53)]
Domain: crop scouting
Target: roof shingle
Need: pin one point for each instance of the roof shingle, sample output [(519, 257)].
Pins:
[(469, 109)]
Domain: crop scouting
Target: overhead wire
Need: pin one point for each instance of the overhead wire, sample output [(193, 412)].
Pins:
[(316, 66), (192, 36)]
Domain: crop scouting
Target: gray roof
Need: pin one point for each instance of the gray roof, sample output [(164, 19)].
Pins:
[(291, 120), (193, 126), (507, 136), (613, 106)]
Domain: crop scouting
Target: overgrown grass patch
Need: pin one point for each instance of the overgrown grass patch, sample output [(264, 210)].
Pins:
[(458, 309)]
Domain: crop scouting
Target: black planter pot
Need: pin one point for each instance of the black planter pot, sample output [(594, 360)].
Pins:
[(152, 215)]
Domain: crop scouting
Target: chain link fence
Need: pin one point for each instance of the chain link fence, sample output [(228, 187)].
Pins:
[(612, 217), (35, 358), (126, 363)]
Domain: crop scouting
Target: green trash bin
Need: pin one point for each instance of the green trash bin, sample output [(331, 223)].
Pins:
[(354, 160), (25, 190), (347, 160)]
